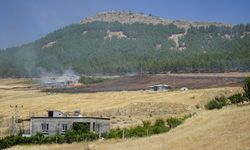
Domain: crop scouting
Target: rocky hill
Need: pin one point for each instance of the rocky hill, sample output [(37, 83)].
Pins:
[(124, 42), (126, 17)]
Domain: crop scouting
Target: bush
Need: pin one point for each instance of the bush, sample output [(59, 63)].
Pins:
[(58, 138), (187, 116), (236, 98), (246, 88), (114, 133), (80, 127), (138, 131), (174, 122), (159, 122), (146, 124), (9, 141), (73, 136), (70, 137), (158, 129), (216, 103)]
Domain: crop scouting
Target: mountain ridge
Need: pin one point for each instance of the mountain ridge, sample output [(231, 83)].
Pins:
[(103, 45), (128, 17)]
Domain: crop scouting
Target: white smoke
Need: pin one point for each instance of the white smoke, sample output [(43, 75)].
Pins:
[(67, 76)]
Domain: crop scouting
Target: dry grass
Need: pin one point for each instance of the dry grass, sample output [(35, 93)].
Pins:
[(38, 102), (35, 101), (219, 129), (208, 127)]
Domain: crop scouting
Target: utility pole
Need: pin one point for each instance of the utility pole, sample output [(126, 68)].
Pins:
[(15, 117), (123, 134)]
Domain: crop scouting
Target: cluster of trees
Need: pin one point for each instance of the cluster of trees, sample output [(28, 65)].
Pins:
[(219, 102), (91, 80), (146, 47), (81, 132)]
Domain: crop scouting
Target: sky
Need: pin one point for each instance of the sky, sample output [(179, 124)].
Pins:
[(23, 21)]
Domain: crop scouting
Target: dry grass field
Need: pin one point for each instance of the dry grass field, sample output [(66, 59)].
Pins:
[(206, 130), (130, 102)]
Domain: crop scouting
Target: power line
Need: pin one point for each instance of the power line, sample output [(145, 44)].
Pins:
[(15, 116)]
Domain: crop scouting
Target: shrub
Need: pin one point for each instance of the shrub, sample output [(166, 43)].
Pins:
[(58, 138), (80, 127), (38, 138), (246, 88), (17, 140), (138, 131), (114, 133), (146, 124), (197, 106), (158, 129), (174, 122), (5, 142), (216, 103), (70, 137), (73, 136), (236, 98), (187, 116), (159, 122)]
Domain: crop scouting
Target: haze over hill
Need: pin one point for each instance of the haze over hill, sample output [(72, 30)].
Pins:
[(126, 42)]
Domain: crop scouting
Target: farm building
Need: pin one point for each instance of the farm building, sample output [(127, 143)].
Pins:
[(184, 89), (159, 87), (59, 122)]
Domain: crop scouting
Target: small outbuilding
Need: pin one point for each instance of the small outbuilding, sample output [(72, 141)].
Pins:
[(184, 89), (159, 87)]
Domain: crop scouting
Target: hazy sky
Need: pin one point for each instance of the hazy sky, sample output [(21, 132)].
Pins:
[(23, 21)]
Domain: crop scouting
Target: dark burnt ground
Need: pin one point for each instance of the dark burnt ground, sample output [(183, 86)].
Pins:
[(131, 83)]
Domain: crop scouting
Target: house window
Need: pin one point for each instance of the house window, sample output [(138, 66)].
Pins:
[(45, 127), (93, 126), (64, 127), (50, 113)]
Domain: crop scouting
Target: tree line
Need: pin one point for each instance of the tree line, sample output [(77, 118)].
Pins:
[(146, 47)]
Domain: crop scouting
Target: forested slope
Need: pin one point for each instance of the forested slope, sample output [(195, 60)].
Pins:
[(120, 48)]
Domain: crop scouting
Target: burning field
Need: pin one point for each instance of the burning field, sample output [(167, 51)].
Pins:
[(69, 79), (136, 82)]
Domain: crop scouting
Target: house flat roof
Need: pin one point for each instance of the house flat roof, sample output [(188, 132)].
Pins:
[(161, 85), (100, 118)]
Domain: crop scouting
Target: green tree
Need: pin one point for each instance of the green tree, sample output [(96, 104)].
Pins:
[(246, 87)]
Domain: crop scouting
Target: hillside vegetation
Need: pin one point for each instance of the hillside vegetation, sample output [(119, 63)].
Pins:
[(97, 46)]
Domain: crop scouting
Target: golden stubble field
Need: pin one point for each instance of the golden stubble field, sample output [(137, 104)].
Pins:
[(206, 127), (36, 102)]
